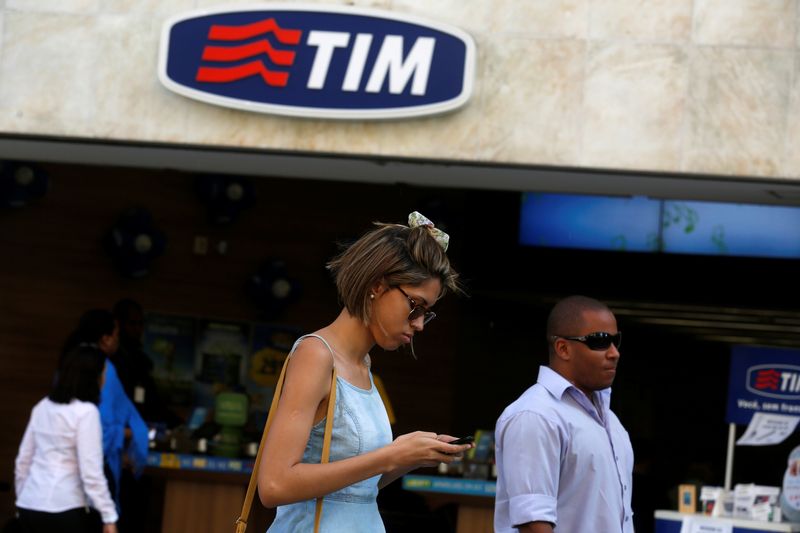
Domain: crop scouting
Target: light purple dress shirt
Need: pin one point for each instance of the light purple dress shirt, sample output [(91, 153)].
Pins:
[(560, 460)]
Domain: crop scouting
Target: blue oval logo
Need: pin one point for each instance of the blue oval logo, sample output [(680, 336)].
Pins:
[(318, 61), (774, 381)]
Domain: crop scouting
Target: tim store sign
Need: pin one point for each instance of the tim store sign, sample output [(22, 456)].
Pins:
[(317, 61)]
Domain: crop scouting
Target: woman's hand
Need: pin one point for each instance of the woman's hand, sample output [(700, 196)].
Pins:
[(423, 448), (109, 528)]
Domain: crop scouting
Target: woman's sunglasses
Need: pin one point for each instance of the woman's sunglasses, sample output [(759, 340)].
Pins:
[(417, 310), (599, 340)]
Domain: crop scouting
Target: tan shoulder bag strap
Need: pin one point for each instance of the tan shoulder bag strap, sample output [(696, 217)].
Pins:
[(326, 443), (241, 522)]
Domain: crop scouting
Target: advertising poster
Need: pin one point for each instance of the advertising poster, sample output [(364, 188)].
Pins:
[(790, 495), (763, 380), (271, 345), (169, 343), (221, 350)]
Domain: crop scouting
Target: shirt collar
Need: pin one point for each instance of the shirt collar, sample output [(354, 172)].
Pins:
[(557, 385)]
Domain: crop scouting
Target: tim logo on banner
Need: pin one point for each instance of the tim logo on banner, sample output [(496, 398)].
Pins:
[(763, 380), (318, 61)]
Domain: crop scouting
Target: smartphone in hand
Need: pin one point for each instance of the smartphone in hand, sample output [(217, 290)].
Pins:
[(463, 440)]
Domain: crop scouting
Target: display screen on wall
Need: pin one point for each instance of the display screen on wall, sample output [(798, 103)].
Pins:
[(640, 224), (590, 222), (731, 229)]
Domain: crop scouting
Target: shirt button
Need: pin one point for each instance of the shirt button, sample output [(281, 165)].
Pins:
[(624, 487), (616, 457), (626, 518)]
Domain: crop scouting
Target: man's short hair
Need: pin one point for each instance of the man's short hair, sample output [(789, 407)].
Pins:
[(123, 308), (566, 317)]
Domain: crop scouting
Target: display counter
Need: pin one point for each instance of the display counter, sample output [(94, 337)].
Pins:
[(474, 497), (671, 522), (203, 493), (199, 463)]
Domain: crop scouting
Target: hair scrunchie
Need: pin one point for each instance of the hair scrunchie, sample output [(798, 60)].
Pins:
[(417, 219)]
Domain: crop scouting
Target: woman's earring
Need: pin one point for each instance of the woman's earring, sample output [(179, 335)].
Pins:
[(371, 296)]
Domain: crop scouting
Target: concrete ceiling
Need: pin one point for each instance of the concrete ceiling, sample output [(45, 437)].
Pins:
[(412, 171)]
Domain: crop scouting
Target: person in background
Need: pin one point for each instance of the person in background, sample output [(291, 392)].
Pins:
[(135, 368), (132, 364), (388, 281), (59, 468), (564, 461), (119, 417)]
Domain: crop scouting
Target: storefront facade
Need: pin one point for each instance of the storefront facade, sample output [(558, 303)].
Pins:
[(670, 99), (706, 88)]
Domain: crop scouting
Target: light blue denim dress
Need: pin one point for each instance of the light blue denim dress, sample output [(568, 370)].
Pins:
[(360, 425)]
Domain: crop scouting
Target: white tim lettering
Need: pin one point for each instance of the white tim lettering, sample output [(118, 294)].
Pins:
[(787, 379), (358, 58), (390, 63), (796, 387), (326, 43)]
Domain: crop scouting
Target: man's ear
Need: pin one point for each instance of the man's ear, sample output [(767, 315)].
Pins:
[(561, 349), (104, 342)]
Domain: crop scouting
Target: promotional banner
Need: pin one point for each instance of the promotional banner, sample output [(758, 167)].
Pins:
[(763, 380), (169, 343), (767, 429), (220, 355), (790, 495), (271, 346)]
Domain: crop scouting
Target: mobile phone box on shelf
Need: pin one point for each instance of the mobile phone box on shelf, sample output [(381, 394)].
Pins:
[(756, 502)]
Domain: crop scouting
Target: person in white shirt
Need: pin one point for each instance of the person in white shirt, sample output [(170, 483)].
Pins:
[(59, 468)]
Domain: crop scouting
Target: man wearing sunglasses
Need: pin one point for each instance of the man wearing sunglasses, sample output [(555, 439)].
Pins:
[(564, 461)]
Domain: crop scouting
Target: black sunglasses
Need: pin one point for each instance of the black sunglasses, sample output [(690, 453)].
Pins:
[(599, 340), (417, 310)]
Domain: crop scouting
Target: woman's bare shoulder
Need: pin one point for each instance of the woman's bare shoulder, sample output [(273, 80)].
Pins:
[(311, 354)]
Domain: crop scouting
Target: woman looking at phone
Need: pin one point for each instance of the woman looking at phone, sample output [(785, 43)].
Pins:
[(388, 282)]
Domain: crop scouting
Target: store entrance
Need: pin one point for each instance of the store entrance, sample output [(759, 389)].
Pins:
[(680, 315)]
